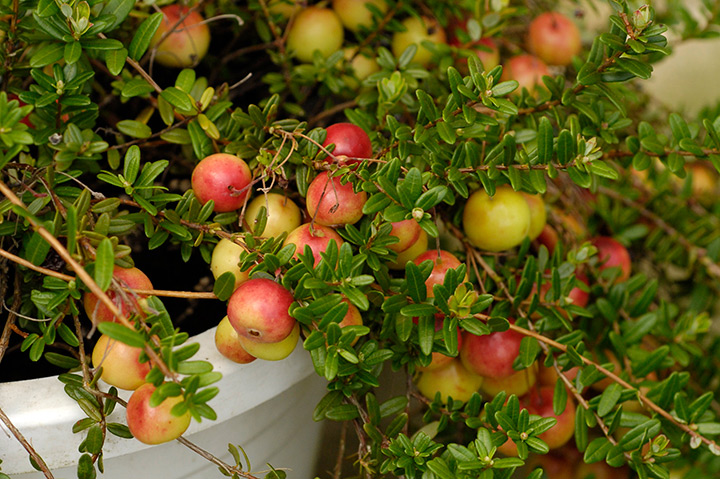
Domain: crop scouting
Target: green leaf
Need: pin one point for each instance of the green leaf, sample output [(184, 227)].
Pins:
[(700, 405), (581, 428), (415, 282), (86, 468), (545, 140), (180, 231), (504, 88), (559, 397), (416, 310), (613, 41), (426, 332), (690, 146), (601, 168), (428, 105), (94, 441), (529, 350), (431, 197), (447, 134), (61, 361), (640, 69), (640, 434), (177, 98), (579, 177), (597, 450), (47, 54), (72, 53), (136, 87), (276, 474), (132, 164), (566, 147), (46, 8), (36, 249), (119, 9), (679, 127), (185, 79), (122, 333), (102, 44), (134, 128), (403, 327), (194, 367), (375, 203), (343, 412), (115, 60), (104, 264), (410, 188), (224, 286), (651, 362), (143, 35), (609, 399), (393, 406), (119, 430), (615, 457), (588, 74)]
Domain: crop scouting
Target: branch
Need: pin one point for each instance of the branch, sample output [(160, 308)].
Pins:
[(647, 403), (18, 435)]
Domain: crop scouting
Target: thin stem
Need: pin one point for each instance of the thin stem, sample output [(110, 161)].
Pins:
[(28, 447), (148, 292), (337, 472), (712, 267), (647, 403), (214, 459), (82, 274), (10, 327)]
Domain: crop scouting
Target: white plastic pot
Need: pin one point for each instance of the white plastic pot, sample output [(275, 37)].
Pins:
[(264, 407)]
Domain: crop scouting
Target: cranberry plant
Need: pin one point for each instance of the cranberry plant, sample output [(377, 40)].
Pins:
[(99, 142)]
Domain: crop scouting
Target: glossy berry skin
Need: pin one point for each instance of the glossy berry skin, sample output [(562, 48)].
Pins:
[(120, 363), (538, 215), (407, 232), (491, 355), (154, 425), (442, 262), (317, 238), (224, 179), (416, 31), (228, 344), (272, 351), (187, 44), (498, 222), (554, 38), (413, 251), (351, 318), (283, 215), (315, 28), (362, 65), (332, 203), (258, 310), (225, 258), (539, 402), (518, 384), (355, 15), (350, 141), (127, 303), (452, 380), (527, 70), (611, 254)]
